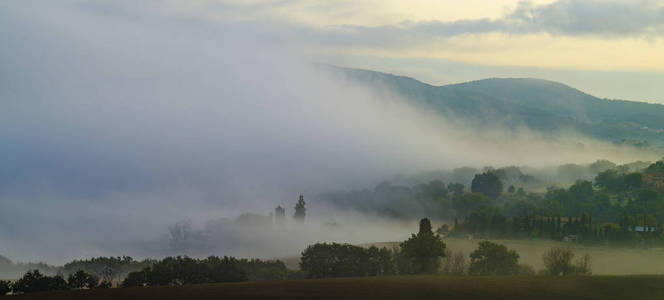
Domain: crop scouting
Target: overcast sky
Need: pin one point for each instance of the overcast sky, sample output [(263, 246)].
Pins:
[(609, 48), (119, 118)]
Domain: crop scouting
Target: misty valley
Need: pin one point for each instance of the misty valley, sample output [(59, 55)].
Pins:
[(298, 149), (569, 220)]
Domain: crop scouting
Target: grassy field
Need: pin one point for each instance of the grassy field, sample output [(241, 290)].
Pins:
[(605, 260), (396, 287)]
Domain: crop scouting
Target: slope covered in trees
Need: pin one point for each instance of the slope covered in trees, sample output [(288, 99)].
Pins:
[(537, 104)]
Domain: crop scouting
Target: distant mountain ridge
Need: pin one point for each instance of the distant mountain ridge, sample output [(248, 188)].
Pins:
[(535, 103)]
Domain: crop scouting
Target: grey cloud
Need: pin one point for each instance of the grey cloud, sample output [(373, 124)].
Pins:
[(643, 18), (602, 18)]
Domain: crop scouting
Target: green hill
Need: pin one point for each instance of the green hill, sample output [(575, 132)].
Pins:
[(537, 104)]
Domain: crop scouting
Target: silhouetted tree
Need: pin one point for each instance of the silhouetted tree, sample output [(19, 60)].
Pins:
[(340, 260), (35, 281), (300, 210), (184, 270), (493, 259), (81, 279), (135, 279), (488, 184), (425, 226), (5, 287), (424, 249)]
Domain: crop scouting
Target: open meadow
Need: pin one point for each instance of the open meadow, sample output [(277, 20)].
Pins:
[(395, 287)]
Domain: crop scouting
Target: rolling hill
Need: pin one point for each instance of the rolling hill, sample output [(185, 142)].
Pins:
[(534, 103)]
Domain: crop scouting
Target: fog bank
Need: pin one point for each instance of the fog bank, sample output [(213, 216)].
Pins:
[(115, 126)]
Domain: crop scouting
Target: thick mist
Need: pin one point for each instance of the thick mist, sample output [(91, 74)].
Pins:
[(115, 126)]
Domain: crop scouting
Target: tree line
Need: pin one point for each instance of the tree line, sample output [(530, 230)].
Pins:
[(616, 208), (423, 253), (426, 253)]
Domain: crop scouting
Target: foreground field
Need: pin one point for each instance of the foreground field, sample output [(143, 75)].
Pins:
[(396, 287)]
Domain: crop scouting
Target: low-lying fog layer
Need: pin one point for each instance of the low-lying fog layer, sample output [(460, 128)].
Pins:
[(114, 127)]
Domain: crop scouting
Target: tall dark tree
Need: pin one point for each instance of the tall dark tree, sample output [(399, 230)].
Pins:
[(425, 226), (424, 249), (488, 184), (300, 210)]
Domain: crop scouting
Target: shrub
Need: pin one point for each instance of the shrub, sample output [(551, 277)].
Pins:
[(135, 279), (558, 261), (454, 263), (493, 259), (341, 260), (582, 266)]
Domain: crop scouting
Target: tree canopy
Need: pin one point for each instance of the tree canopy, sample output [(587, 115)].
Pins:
[(424, 249), (488, 184), (493, 259)]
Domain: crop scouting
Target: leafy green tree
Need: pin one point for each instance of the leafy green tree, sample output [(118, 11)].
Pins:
[(609, 180), (488, 184), (633, 180), (424, 249), (493, 259), (466, 203)]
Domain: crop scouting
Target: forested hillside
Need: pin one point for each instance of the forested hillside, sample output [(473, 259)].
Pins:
[(537, 104)]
